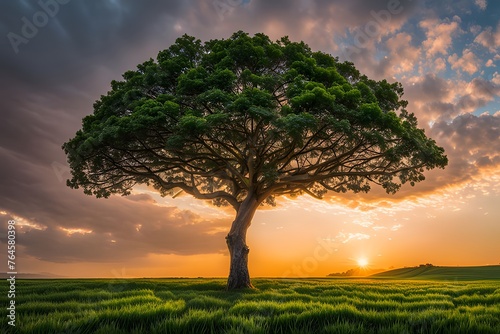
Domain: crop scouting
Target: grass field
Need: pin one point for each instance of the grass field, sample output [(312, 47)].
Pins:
[(276, 306)]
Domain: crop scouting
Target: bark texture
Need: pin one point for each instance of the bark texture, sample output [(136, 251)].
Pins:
[(239, 276)]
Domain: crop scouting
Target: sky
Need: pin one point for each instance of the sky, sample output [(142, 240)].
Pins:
[(57, 57)]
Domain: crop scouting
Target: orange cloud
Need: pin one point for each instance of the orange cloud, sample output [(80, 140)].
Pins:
[(489, 39), (439, 35), (469, 62)]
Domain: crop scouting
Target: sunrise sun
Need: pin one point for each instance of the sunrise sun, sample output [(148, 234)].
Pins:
[(362, 262)]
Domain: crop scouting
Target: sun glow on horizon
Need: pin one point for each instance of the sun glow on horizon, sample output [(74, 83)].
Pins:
[(362, 262)]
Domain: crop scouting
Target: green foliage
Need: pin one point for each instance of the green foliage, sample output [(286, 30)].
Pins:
[(227, 118), (277, 306)]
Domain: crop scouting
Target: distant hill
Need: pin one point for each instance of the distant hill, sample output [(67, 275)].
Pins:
[(356, 272), (429, 272)]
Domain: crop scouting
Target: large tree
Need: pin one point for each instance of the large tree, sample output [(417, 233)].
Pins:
[(242, 120)]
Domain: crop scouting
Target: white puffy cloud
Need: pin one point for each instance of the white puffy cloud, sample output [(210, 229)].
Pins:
[(403, 56), (439, 35), (489, 39), (496, 78), (481, 4), (347, 237), (439, 65), (469, 62)]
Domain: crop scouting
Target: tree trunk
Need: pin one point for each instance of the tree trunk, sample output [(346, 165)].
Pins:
[(239, 276)]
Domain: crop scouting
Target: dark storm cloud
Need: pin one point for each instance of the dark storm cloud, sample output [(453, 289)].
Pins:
[(128, 231), (48, 85), (80, 33)]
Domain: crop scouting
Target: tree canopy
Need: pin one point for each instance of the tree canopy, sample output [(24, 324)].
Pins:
[(242, 120), (220, 119)]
